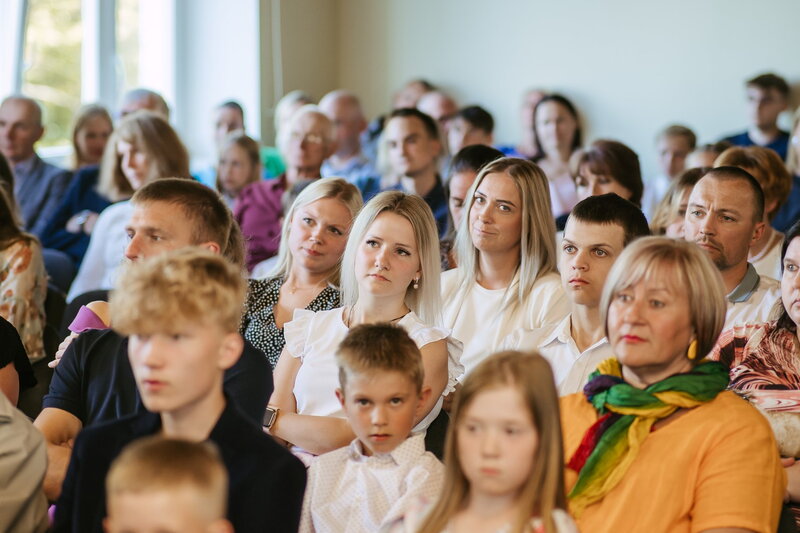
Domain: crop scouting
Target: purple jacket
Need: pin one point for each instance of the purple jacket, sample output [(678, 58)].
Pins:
[(258, 211)]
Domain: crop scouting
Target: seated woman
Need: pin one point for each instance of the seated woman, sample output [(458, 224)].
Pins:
[(239, 166), (670, 213), (144, 147), (506, 277), (391, 275), (464, 168), (660, 411), (91, 128), (306, 276), (23, 280), (558, 135), (765, 364)]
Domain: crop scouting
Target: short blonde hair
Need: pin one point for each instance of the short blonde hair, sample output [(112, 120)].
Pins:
[(320, 189), (84, 115), (685, 268), (251, 148), (190, 285), (161, 464), (766, 167), (538, 233), (426, 300), (151, 134), (370, 348)]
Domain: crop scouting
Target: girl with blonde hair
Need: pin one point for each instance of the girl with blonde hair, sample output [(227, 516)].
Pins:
[(91, 128), (391, 275), (306, 275), (506, 277)]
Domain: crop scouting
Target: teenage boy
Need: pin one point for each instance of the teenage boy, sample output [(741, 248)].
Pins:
[(725, 217), (167, 485), (372, 482), (181, 311), (93, 381), (597, 230), (412, 149), (471, 125), (767, 98)]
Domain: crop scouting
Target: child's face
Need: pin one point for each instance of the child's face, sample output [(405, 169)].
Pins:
[(496, 442), (381, 408), (178, 370), (175, 511)]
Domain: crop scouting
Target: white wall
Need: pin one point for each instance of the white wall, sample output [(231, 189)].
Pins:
[(631, 67), (217, 59)]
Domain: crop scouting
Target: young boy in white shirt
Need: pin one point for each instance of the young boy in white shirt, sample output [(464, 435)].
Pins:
[(372, 482), (167, 485), (597, 230)]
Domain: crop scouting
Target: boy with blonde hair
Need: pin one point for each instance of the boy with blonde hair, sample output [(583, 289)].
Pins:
[(373, 482), (181, 311), (167, 485)]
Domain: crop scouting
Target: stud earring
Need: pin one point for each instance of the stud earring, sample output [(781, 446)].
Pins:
[(416, 283)]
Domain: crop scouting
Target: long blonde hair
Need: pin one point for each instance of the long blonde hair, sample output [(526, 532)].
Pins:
[(84, 115), (150, 133), (543, 491), (426, 300), (336, 188), (538, 241)]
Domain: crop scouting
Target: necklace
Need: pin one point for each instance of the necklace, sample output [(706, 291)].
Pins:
[(350, 317)]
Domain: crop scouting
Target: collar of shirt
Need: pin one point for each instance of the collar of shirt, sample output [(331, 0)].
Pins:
[(25, 167), (406, 452), (562, 333), (746, 287)]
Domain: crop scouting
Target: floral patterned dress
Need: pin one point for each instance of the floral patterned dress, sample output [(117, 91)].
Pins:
[(23, 289)]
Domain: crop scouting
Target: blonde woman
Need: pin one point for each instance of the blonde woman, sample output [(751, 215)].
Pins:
[(306, 276), (91, 129), (144, 147), (506, 277), (239, 165), (391, 275)]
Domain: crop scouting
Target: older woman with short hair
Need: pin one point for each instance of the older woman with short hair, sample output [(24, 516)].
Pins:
[(660, 411)]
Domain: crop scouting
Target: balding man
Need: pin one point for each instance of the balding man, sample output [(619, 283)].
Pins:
[(440, 106), (38, 186), (348, 162), (140, 98), (307, 141), (725, 218)]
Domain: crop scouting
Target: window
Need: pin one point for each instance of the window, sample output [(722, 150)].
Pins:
[(128, 49), (51, 70)]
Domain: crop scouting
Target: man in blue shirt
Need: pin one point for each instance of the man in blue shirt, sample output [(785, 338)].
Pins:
[(767, 98)]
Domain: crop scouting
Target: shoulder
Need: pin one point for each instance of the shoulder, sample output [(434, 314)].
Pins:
[(108, 438), (449, 282), (549, 283), (117, 213)]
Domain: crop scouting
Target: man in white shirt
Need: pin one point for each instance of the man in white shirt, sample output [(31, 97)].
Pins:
[(725, 216), (597, 230)]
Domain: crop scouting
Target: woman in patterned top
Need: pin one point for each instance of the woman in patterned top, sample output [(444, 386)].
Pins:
[(765, 364), (313, 238), (23, 280)]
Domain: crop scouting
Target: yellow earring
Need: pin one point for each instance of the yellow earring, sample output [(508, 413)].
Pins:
[(692, 352)]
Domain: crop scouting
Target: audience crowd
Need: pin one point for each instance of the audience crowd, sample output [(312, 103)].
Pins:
[(395, 325)]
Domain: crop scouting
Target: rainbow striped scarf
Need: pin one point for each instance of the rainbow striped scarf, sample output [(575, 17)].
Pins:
[(627, 415)]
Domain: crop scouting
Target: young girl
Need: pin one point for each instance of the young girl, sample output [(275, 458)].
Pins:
[(239, 165), (306, 275), (390, 274), (503, 456)]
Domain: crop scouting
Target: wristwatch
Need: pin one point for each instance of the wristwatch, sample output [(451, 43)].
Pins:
[(81, 219), (270, 416)]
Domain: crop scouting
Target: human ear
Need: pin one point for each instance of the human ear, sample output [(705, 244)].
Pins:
[(230, 350), (758, 231), (424, 394), (212, 247), (340, 396), (220, 526)]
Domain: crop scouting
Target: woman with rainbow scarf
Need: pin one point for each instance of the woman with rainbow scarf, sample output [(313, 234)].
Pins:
[(655, 442)]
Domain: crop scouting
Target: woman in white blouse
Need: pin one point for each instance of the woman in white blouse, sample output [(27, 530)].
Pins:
[(390, 273), (506, 277)]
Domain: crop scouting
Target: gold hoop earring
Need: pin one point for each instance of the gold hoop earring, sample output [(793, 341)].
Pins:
[(692, 352)]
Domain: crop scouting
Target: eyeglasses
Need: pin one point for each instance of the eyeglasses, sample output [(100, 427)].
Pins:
[(310, 138)]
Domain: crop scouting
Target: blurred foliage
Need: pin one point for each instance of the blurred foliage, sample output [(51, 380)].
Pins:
[(52, 64)]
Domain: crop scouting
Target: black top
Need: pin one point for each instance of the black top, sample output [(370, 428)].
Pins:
[(266, 480), (94, 380), (13, 351), (258, 323)]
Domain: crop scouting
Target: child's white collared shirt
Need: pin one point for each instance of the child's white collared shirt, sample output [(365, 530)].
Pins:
[(349, 491)]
